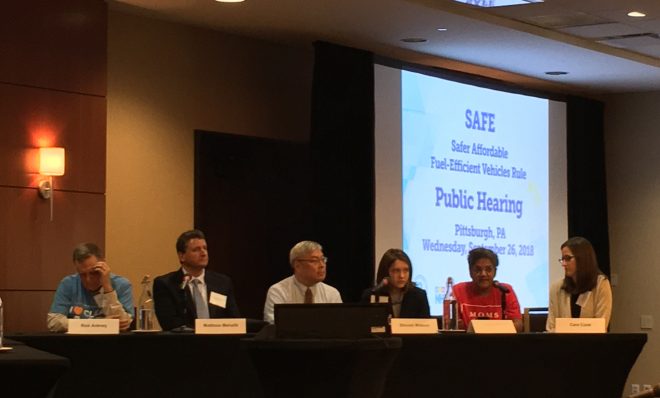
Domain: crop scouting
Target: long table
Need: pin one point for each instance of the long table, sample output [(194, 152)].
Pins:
[(150, 365), (323, 368), (27, 372), (447, 365), (526, 365)]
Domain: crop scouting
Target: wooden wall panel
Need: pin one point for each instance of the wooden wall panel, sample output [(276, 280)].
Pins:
[(33, 117), (54, 44), (25, 311), (52, 93), (36, 253)]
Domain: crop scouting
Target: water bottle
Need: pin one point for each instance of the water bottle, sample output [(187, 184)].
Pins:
[(449, 307), (145, 310)]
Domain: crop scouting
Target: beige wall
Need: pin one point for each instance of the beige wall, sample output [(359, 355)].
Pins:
[(164, 81), (50, 95), (633, 185)]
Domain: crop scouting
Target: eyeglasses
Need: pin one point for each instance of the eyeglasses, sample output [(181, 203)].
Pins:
[(485, 270), (565, 259), (322, 260)]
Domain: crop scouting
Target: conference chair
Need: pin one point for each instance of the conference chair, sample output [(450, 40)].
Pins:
[(534, 319)]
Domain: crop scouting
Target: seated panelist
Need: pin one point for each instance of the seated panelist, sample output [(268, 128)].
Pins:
[(192, 291), (309, 266), (584, 292), (92, 292), (485, 298), (394, 281)]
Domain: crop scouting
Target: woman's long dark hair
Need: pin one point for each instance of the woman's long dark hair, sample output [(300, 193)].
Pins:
[(586, 266), (389, 257)]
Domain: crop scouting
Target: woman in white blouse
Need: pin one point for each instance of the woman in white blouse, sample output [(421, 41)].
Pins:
[(585, 291)]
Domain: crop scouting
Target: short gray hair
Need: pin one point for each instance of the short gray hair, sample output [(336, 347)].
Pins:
[(302, 248), (85, 250)]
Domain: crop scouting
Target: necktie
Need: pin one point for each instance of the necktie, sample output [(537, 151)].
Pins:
[(200, 305), (309, 296)]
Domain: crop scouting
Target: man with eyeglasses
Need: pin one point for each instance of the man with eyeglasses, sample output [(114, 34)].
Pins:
[(484, 297), (306, 284)]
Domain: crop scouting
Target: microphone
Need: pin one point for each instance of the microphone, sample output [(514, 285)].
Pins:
[(383, 283), (185, 281), (184, 303), (653, 392), (502, 288)]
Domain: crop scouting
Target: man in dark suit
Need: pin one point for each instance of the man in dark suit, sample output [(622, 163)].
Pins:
[(192, 291)]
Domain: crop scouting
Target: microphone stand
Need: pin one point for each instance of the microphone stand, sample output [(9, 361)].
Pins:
[(504, 291), (183, 291)]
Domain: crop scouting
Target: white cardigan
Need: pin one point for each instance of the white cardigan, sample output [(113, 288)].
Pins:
[(596, 303)]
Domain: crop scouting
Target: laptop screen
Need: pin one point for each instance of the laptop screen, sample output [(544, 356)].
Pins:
[(339, 321)]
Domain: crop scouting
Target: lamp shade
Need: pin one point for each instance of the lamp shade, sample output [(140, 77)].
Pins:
[(51, 161)]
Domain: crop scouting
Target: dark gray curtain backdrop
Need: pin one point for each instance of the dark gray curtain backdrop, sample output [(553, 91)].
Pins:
[(342, 159), (587, 193)]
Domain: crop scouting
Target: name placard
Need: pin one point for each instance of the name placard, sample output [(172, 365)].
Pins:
[(580, 325), (414, 326), (93, 326), (220, 326), (492, 326)]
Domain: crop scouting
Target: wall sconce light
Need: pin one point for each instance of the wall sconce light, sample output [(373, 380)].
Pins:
[(51, 163)]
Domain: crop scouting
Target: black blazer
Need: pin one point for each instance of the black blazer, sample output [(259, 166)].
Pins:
[(175, 307), (413, 305)]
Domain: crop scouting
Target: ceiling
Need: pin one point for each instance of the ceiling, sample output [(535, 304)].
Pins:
[(602, 49)]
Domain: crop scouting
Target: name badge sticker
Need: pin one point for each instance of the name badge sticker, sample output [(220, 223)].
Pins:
[(218, 299)]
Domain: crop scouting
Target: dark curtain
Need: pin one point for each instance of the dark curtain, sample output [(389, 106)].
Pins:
[(587, 194), (251, 201), (342, 158)]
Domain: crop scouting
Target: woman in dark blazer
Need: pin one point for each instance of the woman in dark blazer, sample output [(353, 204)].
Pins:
[(394, 281)]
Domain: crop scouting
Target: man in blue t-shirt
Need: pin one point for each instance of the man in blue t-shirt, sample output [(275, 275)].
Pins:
[(92, 292)]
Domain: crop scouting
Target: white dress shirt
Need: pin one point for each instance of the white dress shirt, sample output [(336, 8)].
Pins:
[(290, 291)]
